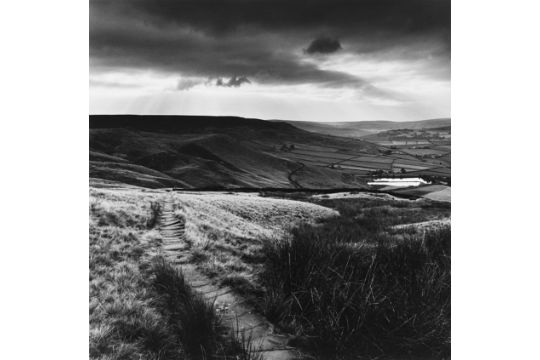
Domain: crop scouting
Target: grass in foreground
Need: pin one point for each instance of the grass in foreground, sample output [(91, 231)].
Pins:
[(350, 288), (349, 285), (140, 306), (352, 285)]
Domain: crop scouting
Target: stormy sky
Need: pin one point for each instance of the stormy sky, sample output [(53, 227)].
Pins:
[(299, 60)]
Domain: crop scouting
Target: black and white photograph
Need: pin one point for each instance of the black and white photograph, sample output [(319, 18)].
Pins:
[(269, 179)]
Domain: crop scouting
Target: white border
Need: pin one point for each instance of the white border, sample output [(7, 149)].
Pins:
[(44, 147), (44, 182), (495, 286)]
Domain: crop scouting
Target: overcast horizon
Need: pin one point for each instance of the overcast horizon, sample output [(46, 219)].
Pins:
[(295, 60)]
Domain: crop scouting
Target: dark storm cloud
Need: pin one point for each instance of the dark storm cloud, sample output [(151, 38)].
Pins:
[(323, 45), (263, 40), (228, 15), (234, 81), (133, 44)]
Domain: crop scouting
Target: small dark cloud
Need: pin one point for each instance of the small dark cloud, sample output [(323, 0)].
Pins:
[(323, 45), (234, 81)]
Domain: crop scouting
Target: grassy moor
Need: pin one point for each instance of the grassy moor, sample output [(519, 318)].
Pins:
[(234, 238)]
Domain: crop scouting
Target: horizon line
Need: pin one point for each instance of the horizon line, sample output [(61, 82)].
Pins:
[(284, 120)]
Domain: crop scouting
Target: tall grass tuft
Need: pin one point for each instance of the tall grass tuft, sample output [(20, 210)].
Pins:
[(192, 318), (242, 345), (155, 212), (361, 298)]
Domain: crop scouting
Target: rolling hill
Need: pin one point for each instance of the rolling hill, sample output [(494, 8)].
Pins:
[(231, 152), (202, 151)]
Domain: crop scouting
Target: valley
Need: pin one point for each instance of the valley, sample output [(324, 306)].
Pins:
[(226, 152)]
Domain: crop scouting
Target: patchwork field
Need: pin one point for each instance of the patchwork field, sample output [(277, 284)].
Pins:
[(360, 164), (428, 148)]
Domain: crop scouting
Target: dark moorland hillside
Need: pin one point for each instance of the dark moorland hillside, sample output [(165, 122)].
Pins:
[(204, 151), (232, 152), (183, 123)]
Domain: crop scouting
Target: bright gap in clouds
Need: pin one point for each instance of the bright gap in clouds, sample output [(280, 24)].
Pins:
[(137, 92)]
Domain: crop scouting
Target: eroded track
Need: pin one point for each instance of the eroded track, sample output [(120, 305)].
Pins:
[(233, 309)]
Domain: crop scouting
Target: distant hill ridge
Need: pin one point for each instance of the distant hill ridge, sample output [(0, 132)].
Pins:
[(358, 129), (174, 123)]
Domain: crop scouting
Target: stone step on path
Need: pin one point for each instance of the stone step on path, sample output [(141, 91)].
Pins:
[(233, 309)]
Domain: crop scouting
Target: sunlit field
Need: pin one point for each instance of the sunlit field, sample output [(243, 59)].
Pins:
[(226, 232), (140, 306)]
